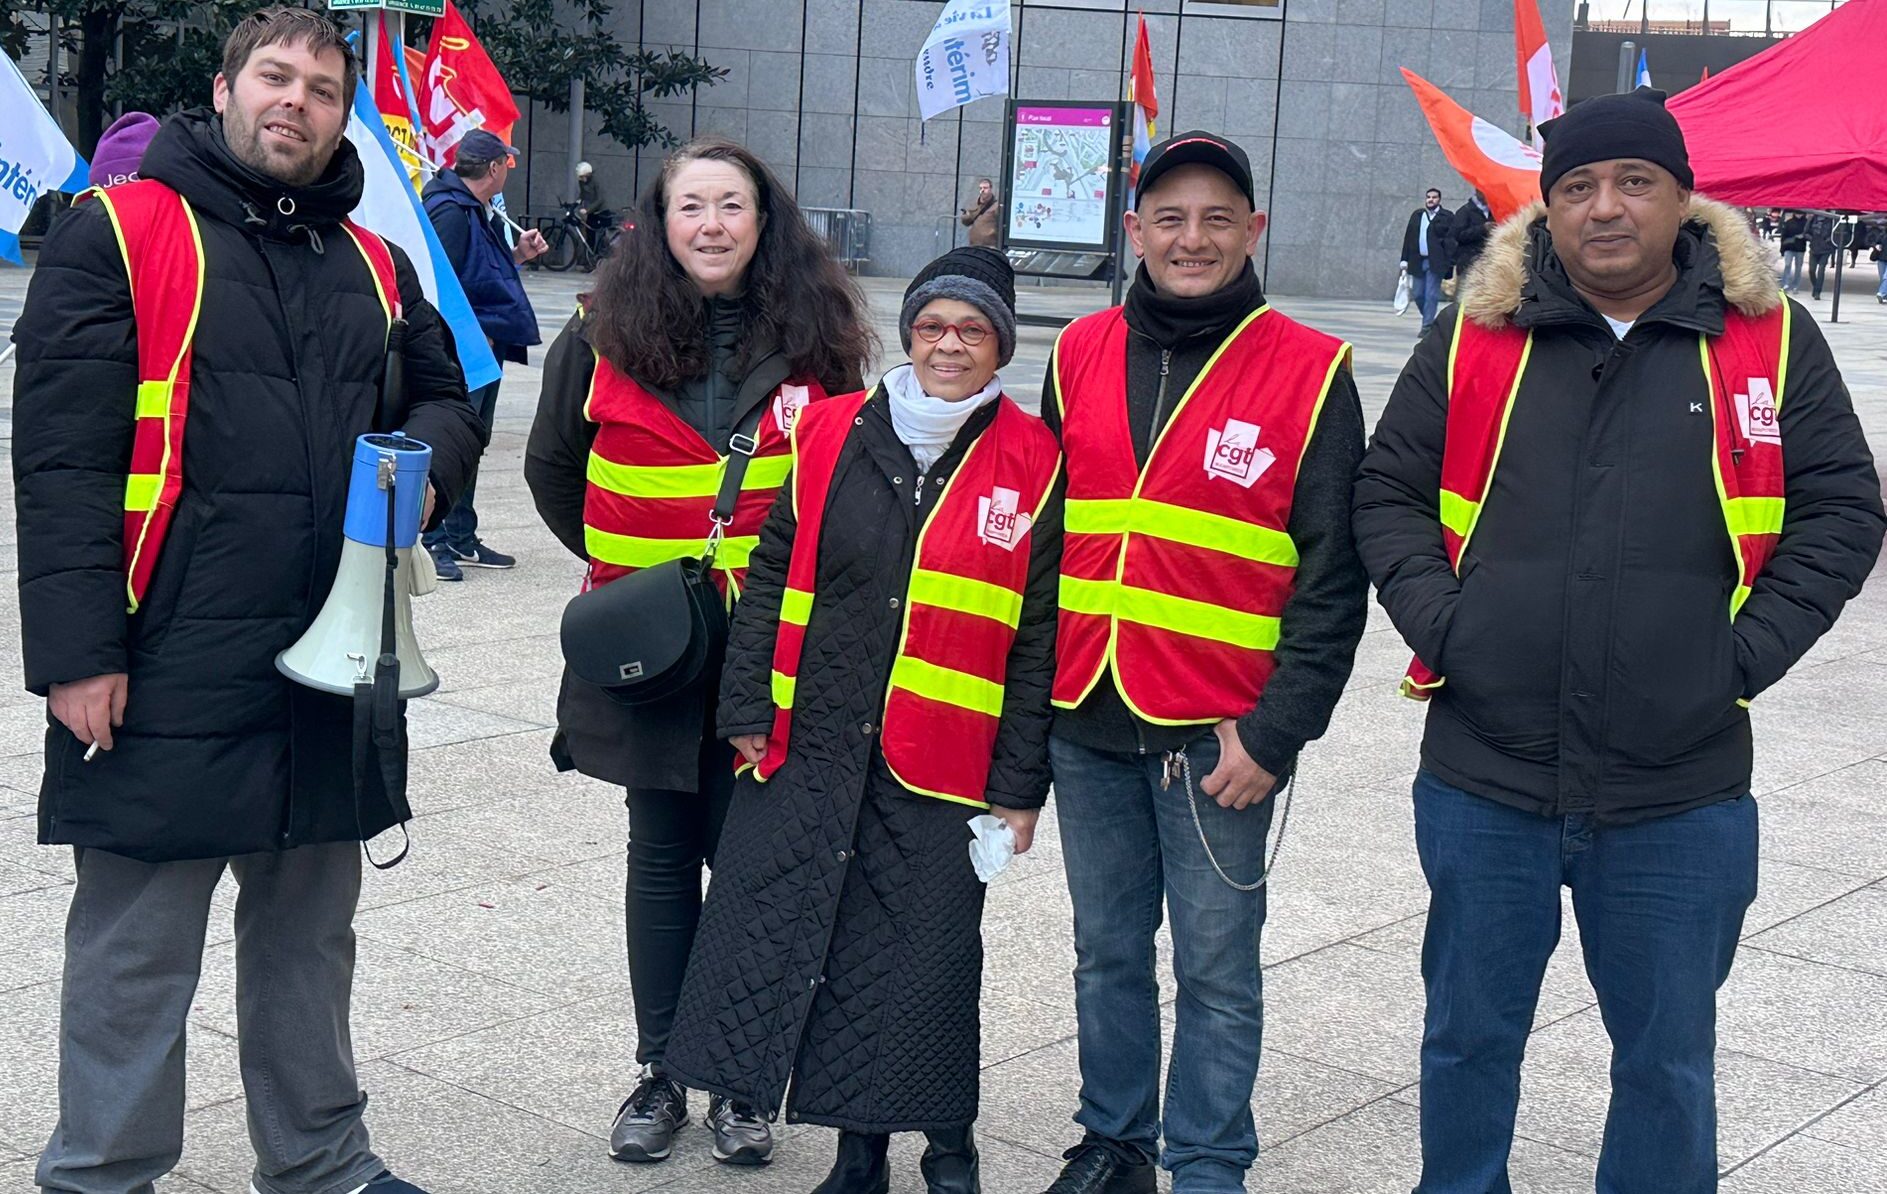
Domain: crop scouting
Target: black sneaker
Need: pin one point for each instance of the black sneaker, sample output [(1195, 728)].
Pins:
[(445, 562), (1094, 1168), (648, 1118), (484, 557), (741, 1136)]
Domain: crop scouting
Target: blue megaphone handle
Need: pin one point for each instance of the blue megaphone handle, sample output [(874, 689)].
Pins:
[(367, 502)]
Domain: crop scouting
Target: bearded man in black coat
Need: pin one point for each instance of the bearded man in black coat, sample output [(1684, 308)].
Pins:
[(174, 748)]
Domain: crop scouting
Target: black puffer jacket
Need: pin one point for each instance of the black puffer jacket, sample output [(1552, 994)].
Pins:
[(1591, 663), (219, 753), (832, 869)]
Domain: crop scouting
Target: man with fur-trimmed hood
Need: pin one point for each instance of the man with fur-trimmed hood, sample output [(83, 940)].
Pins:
[(1615, 495)]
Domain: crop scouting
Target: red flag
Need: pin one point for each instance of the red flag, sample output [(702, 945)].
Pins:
[(1540, 98), (1146, 102), (1492, 161), (461, 90)]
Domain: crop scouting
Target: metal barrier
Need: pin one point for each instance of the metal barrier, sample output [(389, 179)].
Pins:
[(847, 233)]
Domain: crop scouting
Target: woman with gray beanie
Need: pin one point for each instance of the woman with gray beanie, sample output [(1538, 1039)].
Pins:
[(887, 681)]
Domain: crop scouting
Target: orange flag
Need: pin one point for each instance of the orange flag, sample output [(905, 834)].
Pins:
[(1540, 100), (1492, 161)]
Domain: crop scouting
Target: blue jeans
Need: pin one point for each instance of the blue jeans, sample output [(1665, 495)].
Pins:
[(1128, 846), (1425, 284), (459, 528), (1881, 267), (1792, 270), (1660, 906)]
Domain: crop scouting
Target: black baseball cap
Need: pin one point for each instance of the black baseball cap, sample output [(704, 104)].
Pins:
[(480, 146), (1205, 149)]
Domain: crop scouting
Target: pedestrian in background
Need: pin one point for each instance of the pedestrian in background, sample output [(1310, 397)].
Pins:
[(119, 151), (1467, 235), (1794, 239), (1425, 254), (1821, 249), (1601, 556), (981, 213), (719, 312), (887, 678), (459, 204)]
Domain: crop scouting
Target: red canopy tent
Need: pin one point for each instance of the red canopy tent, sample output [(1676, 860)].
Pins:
[(1802, 124)]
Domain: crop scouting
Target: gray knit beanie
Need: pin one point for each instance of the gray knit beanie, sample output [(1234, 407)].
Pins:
[(977, 275)]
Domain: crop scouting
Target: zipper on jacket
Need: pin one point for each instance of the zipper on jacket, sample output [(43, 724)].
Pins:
[(1159, 399)]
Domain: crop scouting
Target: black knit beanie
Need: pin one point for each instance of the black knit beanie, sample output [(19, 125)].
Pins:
[(1606, 127), (977, 275)]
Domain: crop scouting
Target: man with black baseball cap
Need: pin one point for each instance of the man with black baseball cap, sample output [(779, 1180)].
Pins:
[(1617, 495), (1211, 603)]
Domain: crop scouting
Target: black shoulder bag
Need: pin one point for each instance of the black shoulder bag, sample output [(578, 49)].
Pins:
[(658, 631)]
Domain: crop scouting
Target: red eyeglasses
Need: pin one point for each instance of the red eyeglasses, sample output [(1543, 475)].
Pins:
[(932, 330)]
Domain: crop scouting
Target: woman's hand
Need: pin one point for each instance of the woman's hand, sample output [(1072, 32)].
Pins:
[(1021, 822), (752, 747)]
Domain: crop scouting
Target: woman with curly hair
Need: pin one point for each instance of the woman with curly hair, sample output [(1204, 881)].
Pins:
[(718, 317)]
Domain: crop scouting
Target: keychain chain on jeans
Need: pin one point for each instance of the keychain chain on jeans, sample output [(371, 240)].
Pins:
[(1192, 802)]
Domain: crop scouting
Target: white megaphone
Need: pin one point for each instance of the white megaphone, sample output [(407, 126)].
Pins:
[(386, 492)]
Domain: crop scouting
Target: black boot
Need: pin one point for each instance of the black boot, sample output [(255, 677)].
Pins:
[(861, 1167), (950, 1164)]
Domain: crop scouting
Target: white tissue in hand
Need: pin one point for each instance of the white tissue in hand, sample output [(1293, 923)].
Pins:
[(992, 847)]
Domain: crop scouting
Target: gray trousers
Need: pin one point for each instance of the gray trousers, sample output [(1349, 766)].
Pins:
[(134, 949)]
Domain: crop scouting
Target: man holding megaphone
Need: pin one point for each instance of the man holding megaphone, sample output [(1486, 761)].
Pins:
[(199, 351)]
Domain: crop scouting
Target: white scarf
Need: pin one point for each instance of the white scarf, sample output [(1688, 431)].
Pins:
[(926, 425)]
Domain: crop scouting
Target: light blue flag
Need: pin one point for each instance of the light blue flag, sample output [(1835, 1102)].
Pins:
[(35, 157), (389, 207), (1643, 78)]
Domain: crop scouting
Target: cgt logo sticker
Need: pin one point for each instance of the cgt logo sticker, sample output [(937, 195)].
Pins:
[(1232, 453), (787, 404), (1756, 410), (999, 520)]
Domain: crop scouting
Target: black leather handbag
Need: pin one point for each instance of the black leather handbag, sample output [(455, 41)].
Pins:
[(659, 631)]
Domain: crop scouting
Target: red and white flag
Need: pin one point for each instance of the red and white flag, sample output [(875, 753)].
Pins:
[(1540, 98), (461, 89), (1505, 170), (1146, 102)]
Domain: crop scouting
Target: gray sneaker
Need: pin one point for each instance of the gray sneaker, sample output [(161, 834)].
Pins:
[(741, 1136), (646, 1122)]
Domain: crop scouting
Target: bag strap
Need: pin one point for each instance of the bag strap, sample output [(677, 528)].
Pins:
[(741, 447)]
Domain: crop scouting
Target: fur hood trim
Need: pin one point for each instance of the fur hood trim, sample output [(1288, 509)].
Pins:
[(1494, 286)]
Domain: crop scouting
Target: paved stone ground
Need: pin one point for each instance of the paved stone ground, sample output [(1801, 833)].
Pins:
[(493, 1018)]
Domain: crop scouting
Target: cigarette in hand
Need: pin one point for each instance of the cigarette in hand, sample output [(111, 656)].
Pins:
[(90, 751)]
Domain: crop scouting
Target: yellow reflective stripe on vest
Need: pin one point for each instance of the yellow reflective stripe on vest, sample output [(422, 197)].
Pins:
[(966, 595), (947, 685), (1754, 515), (154, 399), (795, 606), (634, 551), (684, 480), (1457, 512), (141, 490), (1161, 611), (783, 686), (1179, 524)]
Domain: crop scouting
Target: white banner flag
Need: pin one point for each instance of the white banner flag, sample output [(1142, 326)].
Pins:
[(966, 56), (35, 157)]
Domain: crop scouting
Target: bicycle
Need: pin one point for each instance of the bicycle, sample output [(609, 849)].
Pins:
[(574, 240)]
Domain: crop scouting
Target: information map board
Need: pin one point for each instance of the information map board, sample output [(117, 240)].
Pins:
[(1062, 175)]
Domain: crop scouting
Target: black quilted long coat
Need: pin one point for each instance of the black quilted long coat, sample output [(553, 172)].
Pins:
[(840, 946)]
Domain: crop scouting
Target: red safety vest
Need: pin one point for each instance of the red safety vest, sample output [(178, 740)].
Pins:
[(961, 607), (163, 258), (653, 480), (1745, 370), (1175, 576)]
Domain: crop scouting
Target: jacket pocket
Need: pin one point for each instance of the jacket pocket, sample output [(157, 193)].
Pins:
[(1674, 678), (1502, 657)]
